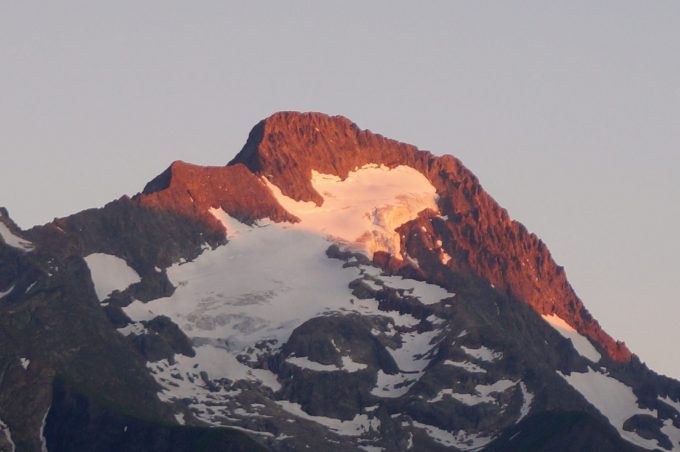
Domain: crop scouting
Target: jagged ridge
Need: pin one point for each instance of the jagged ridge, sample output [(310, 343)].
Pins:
[(287, 146)]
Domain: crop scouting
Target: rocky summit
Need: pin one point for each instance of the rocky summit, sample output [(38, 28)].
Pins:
[(328, 289)]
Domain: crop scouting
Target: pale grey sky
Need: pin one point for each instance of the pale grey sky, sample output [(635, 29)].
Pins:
[(568, 112)]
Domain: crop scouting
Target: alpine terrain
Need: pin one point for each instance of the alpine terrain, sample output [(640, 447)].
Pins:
[(327, 290)]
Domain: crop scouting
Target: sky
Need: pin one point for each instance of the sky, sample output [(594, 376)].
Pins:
[(568, 112)]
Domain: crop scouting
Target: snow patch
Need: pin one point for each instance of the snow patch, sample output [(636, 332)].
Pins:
[(25, 362), (614, 400), (461, 440), (581, 344), (13, 240), (110, 273), (393, 385), (136, 328), (198, 382), (348, 365), (305, 363), (364, 209), (482, 353), (217, 363), (672, 432), (467, 365), (6, 292), (360, 425), (43, 441), (670, 402), (425, 292), (4, 429), (412, 358), (527, 398), (371, 448), (482, 393)]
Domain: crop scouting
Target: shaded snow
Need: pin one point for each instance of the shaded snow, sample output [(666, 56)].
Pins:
[(13, 240), (28, 289), (135, 328), (613, 399), (183, 381), (4, 429), (348, 365), (305, 363), (672, 432), (482, 393), (217, 363), (6, 292), (670, 402), (467, 365), (371, 448), (425, 292), (668, 429), (482, 353), (110, 273), (360, 425), (581, 344), (527, 400), (412, 358), (43, 441), (393, 385), (364, 209), (460, 440)]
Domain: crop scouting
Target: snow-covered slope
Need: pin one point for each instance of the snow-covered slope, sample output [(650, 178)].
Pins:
[(239, 303), (580, 343)]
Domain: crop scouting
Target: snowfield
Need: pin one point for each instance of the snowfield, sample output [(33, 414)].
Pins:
[(364, 209), (271, 277), (222, 303)]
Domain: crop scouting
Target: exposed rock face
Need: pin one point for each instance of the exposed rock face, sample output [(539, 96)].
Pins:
[(294, 336), (479, 235), (192, 190)]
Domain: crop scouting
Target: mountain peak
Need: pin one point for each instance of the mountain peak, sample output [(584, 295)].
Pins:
[(283, 152), (384, 301), (287, 146)]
